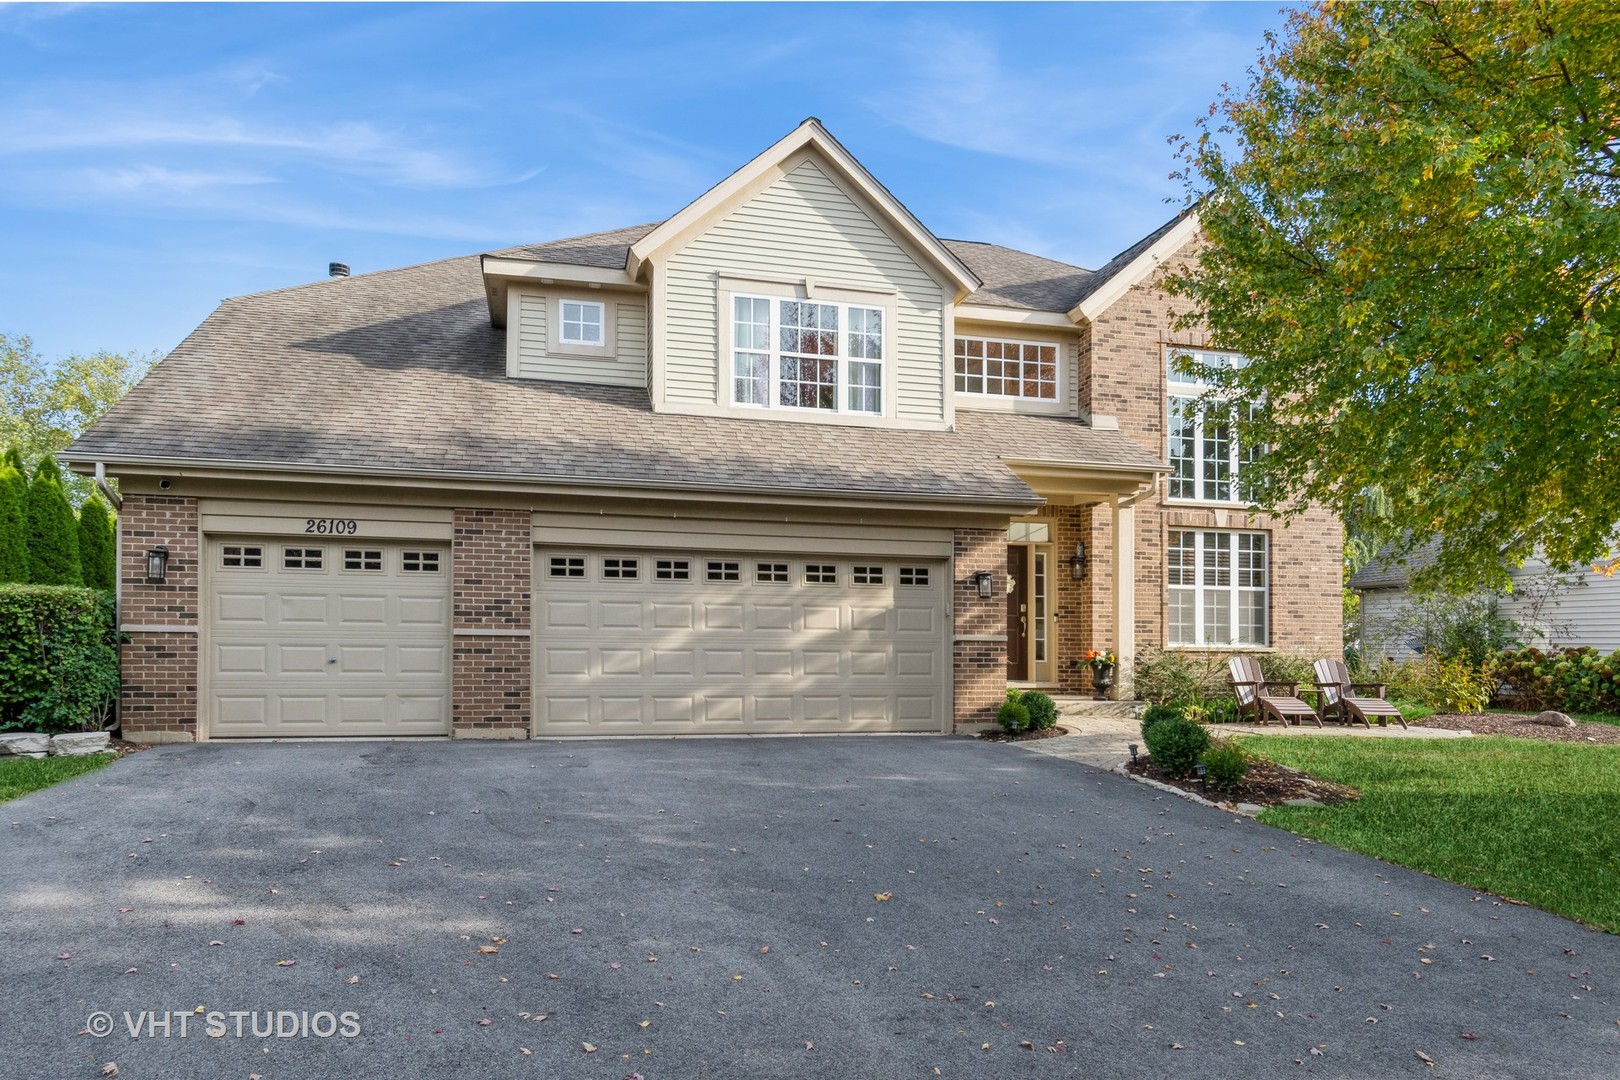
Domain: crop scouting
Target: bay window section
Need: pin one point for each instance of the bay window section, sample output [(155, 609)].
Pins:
[(1218, 588), (805, 354)]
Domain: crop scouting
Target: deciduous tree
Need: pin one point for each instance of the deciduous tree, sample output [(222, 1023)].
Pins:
[(1412, 216)]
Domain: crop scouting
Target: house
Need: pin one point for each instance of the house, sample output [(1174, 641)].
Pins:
[(784, 462), (1549, 608)]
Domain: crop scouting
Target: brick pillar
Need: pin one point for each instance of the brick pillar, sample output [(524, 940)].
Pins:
[(979, 647), (492, 564), (158, 658), (1073, 602)]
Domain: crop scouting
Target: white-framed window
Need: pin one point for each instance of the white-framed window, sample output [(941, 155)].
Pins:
[(867, 575), (1219, 587), (419, 562), (914, 575), (672, 570), (581, 322), (567, 566), (363, 559), (771, 573), (302, 558), (807, 354), (1206, 459), (242, 556), (993, 367), (821, 573), (621, 568)]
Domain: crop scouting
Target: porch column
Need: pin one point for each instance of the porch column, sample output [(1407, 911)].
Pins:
[(1124, 515)]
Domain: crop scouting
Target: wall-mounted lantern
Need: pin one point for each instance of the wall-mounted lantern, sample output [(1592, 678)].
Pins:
[(1077, 562), (157, 563), (983, 580)]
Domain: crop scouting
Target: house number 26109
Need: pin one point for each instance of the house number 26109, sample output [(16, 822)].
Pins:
[(332, 526)]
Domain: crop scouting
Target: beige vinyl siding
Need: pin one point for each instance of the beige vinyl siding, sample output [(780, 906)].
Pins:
[(1583, 609), (627, 367), (802, 225)]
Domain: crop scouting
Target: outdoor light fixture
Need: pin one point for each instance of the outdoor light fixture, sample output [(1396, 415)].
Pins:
[(1077, 562), (983, 581), (1133, 753), (1203, 780), (157, 563)]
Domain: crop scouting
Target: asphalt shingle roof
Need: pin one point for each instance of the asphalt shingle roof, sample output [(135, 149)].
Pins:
[(1385, 571), (401, 372)]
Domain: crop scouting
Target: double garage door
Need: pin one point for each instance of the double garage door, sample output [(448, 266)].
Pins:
[(342, 637), (327, 638), (643, 641)]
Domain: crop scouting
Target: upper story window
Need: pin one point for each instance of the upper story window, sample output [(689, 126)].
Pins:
[(806, 354), (1206, 460), (1011, 369), (581, 322)]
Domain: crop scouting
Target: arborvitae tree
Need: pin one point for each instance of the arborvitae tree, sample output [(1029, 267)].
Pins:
[(13, 524), (53, 535), (14, 458), (97, 549)]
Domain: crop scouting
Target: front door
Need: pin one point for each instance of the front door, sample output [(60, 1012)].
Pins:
[(1018, 613)]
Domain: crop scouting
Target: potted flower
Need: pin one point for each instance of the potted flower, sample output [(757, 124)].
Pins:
[(1102, 663)]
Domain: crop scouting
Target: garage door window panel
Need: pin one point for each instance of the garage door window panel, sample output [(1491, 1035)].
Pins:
[(620, 568), (672, 570), (303, 558), (567, 566), (241, 557), (366, 560), (420, 562), (721, 570)]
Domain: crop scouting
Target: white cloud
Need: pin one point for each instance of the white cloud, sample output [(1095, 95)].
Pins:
[(159, 178)]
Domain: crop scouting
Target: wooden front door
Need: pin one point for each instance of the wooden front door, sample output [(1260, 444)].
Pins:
[(1018, 614)]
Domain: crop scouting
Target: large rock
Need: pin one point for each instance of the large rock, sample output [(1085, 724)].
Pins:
[(79, 743), (24, 744), (1552, 719)]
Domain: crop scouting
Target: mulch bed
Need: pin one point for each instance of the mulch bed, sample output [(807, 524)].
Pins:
[(997, 735), (1265, 784), (124, 749), (1518, 724)]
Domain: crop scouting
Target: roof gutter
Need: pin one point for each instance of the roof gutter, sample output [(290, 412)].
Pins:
[(553, 485), (107, 493)]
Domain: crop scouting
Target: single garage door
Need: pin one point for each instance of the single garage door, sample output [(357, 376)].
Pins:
[(327, 638), (643, 641)]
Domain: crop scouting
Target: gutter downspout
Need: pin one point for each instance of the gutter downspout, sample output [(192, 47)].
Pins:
[(106, 492)]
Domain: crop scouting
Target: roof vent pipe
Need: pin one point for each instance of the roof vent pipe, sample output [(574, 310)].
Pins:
[(337, 269)]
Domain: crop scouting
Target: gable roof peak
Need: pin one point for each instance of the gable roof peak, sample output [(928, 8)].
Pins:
[(810, 134)]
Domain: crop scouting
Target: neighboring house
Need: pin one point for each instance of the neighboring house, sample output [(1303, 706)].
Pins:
[(785, 462), (1550, 609)]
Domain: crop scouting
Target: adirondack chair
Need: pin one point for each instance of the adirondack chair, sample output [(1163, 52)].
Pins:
[(1341, 701), (1262, 701)]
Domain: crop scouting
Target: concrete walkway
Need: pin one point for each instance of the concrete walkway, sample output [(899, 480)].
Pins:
[(1100, 732)]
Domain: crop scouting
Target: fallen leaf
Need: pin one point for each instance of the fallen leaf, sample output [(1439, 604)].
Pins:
[(352, 979), (1425, 1058), (286, 963), (216, 942), (488, 950), (882, 896), (110, 1069), (1470, 1036), (69, 956), (590, 1048), (525, 1051), (644, 1024)]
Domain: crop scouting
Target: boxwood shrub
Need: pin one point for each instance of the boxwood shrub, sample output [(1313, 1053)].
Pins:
[(1176, 745)]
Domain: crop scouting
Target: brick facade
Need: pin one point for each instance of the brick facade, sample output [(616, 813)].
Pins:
[(159, 654), (492, 562), (1124, 375), (979, 641)]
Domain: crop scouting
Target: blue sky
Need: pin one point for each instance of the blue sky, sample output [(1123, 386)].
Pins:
[(156, 159)]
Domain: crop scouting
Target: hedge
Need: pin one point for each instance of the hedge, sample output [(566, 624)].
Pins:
[(39, 625)]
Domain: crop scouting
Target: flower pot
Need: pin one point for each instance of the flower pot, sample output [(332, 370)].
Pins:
[(1102, 678)]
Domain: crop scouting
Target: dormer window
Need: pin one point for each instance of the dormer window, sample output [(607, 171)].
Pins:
[(581, 323), (807, 354)]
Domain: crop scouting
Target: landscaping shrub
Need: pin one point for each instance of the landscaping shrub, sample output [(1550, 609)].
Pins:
[(1041, 708), (1158, 714), (1170, 677), (97, 551), (1013, 717), (1176, 745), (81, 688), (1411, 710), (1219, 711), (44, 629), (13, 525), (1287, 667), (1457, 685), (1225, 763), (53, 534), (1570, 680)]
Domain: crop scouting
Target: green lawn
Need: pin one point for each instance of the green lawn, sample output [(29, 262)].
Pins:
[(19, 776), (1534, 821)]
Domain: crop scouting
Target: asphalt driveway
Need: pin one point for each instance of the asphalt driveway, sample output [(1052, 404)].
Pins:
[(833, 907)]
